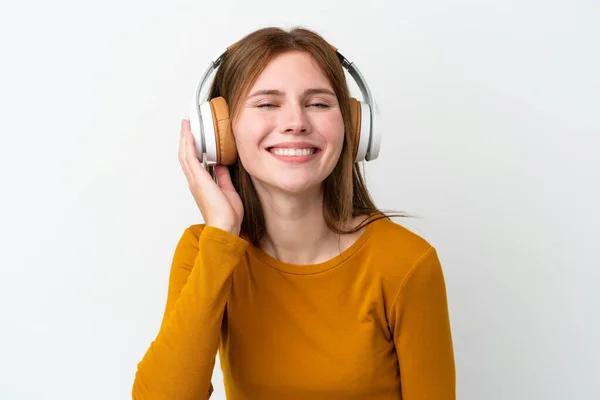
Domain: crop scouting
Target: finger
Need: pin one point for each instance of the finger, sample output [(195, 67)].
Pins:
[(223, 177), (185, 126), (185, 157), (191, 160), (184, 147), (181, 153)]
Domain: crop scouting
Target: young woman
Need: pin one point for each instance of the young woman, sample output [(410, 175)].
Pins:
[(307, 290)]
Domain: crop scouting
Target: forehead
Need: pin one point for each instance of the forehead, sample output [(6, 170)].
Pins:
[(291, 69)]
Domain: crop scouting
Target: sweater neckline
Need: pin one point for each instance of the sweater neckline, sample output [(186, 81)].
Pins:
[(308, 269)]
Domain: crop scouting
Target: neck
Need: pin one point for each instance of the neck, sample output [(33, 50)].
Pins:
[(296, 231)]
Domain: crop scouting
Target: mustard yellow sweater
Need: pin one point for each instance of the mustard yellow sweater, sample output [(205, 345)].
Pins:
[(371, 323)]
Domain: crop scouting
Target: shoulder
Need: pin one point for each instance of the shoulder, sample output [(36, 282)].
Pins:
[(396, 242), (395, 253)]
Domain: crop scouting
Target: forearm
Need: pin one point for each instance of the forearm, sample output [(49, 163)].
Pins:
[(179, 362)]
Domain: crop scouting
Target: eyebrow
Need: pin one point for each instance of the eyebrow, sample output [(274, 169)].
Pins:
[(307, 92)]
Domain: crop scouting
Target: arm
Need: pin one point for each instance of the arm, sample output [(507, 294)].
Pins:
[(179, 362), (420, 326)]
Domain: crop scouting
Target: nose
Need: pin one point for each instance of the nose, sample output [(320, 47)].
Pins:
[(294, 119)]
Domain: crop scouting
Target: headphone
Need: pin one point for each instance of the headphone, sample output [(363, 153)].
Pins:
[(213, 136)]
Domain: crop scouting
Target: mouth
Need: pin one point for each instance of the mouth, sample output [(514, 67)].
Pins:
[(288, 152)]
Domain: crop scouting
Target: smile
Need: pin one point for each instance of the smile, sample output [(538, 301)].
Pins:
[(286, 152), (294, 156)]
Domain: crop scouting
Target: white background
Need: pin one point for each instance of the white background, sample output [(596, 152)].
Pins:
[(490, 136)]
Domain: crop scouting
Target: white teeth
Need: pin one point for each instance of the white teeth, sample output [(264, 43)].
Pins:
[(292, 152)]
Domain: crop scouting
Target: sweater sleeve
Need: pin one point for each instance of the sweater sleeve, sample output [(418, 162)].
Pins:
[(179, 362), (420, 325)]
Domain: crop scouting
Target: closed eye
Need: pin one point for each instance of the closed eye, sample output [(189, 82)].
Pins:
[(317, 105)]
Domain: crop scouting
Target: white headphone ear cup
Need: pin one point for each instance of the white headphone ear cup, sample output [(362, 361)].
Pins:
[(365, 131), (196, 130), (208, 130), (375, 135)]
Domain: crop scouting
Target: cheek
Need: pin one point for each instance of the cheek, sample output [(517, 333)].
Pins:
[(333, 129), (248, 131)]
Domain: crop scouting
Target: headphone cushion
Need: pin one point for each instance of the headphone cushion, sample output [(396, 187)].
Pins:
[(355, 117), (226, 149)]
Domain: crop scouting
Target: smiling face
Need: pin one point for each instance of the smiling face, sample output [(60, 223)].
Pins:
[(289, 130)]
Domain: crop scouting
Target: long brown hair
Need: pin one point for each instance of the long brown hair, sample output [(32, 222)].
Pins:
[(345, 195)]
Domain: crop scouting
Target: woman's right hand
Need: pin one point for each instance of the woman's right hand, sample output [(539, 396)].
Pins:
[(220, 205)]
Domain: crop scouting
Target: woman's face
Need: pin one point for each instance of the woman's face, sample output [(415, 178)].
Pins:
[(289, 130)]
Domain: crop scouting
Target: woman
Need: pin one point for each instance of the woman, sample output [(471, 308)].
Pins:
[(307, 290)]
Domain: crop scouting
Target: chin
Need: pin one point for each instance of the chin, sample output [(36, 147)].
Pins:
[(290, 186)]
